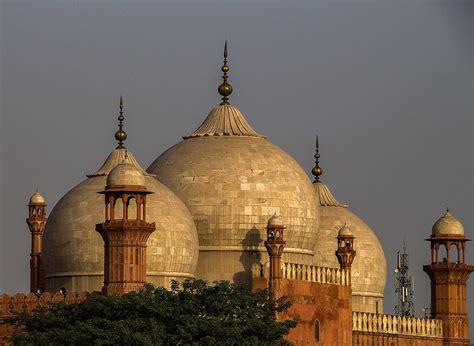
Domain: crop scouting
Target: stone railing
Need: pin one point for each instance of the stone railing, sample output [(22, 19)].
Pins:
[(315, 274), (402, 325), (294, 271), (12, 305)]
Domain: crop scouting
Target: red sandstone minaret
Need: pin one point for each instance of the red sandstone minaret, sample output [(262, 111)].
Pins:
[(275, 245), (125, 230), (449, 273), (36, 222), (345, 252)]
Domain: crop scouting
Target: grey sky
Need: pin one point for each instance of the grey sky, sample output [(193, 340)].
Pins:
[(387, 85)]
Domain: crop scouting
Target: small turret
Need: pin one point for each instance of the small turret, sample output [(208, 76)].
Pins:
[(275, 244), (345, 252)]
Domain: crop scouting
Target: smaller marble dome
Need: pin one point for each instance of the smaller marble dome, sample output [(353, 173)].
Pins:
[(447, 225), (345, 231), (37, 198), (369, 269), (274, 221), (125, 173)]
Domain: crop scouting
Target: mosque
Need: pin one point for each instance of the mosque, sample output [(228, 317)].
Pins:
[(225, 203)]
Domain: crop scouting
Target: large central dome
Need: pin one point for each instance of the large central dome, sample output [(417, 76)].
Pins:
[(232, 180)]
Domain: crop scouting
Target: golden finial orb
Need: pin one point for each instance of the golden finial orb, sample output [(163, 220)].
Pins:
[(120, 135), (225, 89), (317, 171)]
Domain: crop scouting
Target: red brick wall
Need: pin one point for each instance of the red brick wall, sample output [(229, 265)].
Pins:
[(330, 304)]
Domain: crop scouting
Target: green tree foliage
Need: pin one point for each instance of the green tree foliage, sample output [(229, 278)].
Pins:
[(189, 313)]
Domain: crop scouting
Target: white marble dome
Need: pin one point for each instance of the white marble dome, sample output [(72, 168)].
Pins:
[(369, 269), (37, 198), (126, 173), (232, 180), (447, 225), (73, 251)]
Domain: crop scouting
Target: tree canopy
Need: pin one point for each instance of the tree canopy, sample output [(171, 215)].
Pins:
[(193, 312)]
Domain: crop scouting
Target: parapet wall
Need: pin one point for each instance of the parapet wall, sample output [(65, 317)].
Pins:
[(368, 329), (10, 306)]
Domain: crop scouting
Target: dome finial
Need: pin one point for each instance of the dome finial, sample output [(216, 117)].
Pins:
[(317, 171), (120, 135), (225, 89)]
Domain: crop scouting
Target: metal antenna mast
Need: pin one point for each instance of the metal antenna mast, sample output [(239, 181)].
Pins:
[(404, 286)]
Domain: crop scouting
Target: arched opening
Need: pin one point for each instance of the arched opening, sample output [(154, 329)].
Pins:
[(118, 209), (316, 330), (33, 211), (454, 253), (132, 208), (38, 211), (442, 254), (142, 206), (107, 211)]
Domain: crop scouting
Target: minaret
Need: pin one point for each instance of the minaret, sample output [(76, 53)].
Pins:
[(275, 244), (125, 230), (449, 277), (345, 252), (36, 222)]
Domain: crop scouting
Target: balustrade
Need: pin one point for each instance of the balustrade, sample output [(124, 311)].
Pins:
[(294, 271), (389, 324)]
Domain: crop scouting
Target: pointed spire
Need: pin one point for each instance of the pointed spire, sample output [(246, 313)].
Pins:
[(120, 135), (225, 89), (317, 171)]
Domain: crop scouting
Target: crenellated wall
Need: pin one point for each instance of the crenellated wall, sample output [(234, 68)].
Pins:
[(378, 329), (10, 306)]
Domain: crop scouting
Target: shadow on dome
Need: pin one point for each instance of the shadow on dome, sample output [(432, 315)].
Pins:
[(248, 258)]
